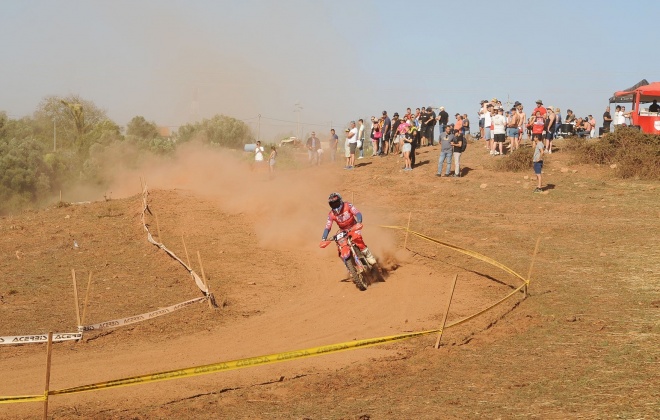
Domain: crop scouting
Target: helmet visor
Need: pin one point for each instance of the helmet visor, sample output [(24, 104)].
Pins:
[(335, 203)]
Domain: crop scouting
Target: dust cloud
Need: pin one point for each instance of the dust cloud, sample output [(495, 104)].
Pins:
[(289, 209)]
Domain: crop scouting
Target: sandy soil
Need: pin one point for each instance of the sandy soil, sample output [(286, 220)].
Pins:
[(583, 345)]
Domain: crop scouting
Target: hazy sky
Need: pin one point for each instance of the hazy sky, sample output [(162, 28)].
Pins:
[(176, 61)]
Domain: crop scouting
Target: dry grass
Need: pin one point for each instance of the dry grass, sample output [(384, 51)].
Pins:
[(518, 161), (636, 155)]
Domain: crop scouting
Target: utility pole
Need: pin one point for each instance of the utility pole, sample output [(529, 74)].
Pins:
[(297, 108), (259, 128)]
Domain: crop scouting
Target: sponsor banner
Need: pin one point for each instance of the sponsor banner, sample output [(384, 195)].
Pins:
[(142, 317), (39, 338)]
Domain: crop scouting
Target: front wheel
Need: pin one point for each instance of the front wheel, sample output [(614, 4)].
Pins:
[(357, 277)]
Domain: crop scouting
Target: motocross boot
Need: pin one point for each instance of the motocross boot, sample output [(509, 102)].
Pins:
[(369, 256)]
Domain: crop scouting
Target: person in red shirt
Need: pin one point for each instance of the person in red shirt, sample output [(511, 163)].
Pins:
[(538, 124), (539, 107), (347, 216)]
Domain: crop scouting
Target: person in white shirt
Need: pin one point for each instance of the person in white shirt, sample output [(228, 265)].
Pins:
[(259, 153), (351, 142), (619, 119), (499, 132)]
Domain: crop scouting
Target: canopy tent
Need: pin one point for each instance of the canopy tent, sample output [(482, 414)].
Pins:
[(648, 92)]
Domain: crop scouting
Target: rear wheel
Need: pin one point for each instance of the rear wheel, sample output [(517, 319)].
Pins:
[(355, 276)]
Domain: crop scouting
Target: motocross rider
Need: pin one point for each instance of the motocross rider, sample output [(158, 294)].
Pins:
[(346, 215)]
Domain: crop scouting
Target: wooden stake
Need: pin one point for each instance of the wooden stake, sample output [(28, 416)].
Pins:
[(199, 258), (49, 351), (158, 229), (89, 284), (529, 273), (405, 242), (75, 296), (186, 249), (60, 196), (444, 316)]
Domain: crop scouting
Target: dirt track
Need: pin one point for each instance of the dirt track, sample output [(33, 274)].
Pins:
[(258, 238)]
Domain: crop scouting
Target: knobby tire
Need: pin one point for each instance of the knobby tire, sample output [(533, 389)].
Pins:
[(357, 277)]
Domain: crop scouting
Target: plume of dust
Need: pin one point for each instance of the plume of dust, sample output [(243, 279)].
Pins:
[(288, 209)]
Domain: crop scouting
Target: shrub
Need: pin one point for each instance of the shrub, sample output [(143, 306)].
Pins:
[(517, 161), (636, 154)]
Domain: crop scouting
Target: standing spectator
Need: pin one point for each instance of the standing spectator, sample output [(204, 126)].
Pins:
[(271, 160), (396, 122), (443, 119), (259, 154), (458, 125), (512, 125), (557, 127), (482, 118), (361, 137), (523, 122), (458, 144), (423, 116), (466, 126), (619, 119), (549, 130), (446, 151), (334, 140), (386, 129), (375, 136), (538, 124), (401, 132), (539, 107), (313, 146), (607, 120), (626, 116), (351, 141), (499, 132), (488, 120), (408, 115), (592, 123), (537, 159), (408, 139)]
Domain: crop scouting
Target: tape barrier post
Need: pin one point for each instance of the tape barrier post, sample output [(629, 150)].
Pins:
[(89, 285), (208, 291), (444, 316), (531, 265), (405, 241), (185, 248), (49, 351), (75, 297)]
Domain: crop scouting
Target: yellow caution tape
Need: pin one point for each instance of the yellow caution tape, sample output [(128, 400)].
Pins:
[(463, 250), (241, 363), (278, 357)]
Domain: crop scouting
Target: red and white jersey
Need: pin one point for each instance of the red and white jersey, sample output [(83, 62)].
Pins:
[(345, 219)]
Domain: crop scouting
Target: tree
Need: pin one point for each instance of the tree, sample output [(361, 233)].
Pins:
[(139, 127), (74, 118), (221, 130)]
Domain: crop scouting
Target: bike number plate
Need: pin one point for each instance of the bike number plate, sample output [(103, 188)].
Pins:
[(340, 235)]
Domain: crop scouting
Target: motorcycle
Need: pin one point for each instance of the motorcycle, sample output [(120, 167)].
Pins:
[(356, 263)]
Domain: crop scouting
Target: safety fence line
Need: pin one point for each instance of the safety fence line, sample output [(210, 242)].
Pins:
[(145, 208), (280, 357), (59, 337), (39, 338), (463, 251), (142, 317)]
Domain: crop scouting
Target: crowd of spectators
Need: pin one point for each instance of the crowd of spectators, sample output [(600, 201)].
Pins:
[(501, 130)]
